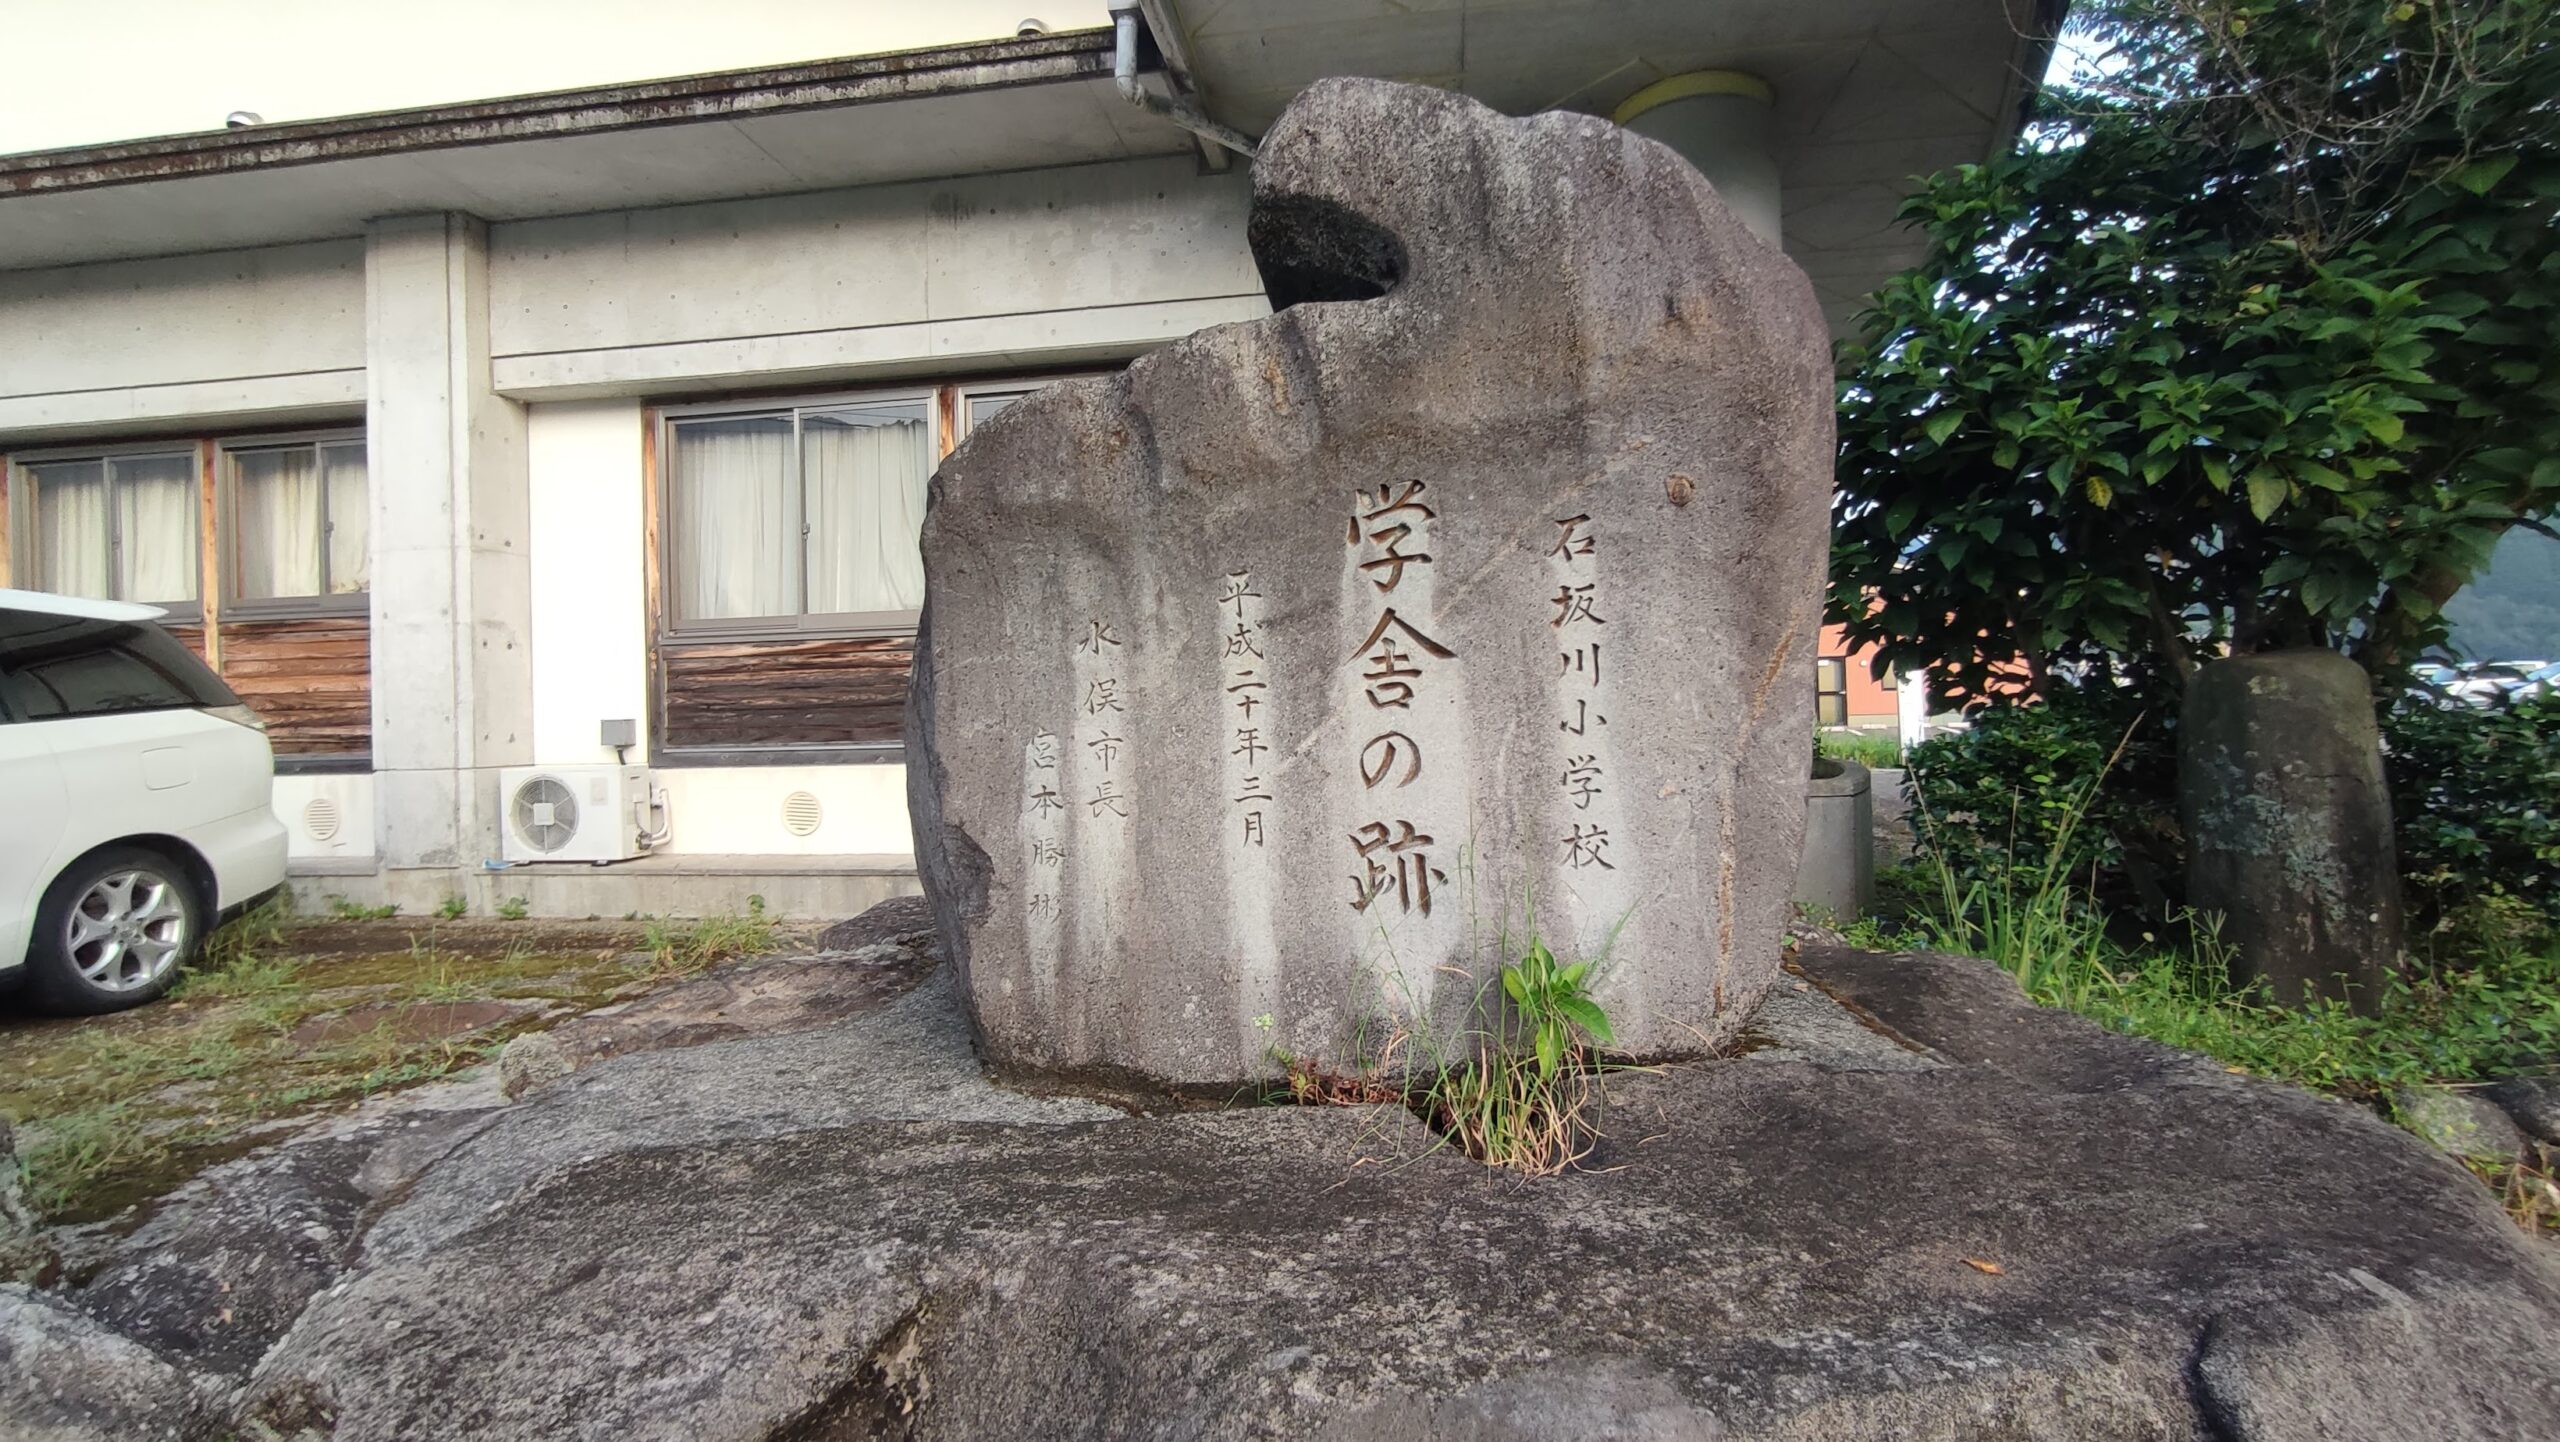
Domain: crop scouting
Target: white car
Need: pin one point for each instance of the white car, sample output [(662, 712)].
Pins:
[(134, 803), (2493, 683)]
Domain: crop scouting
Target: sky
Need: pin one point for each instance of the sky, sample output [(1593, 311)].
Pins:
[(84, 72)]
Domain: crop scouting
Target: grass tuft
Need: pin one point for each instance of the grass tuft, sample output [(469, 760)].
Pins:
[(60, 1164), (682, 948), (346, 910), (119, 1109), (258, 930)]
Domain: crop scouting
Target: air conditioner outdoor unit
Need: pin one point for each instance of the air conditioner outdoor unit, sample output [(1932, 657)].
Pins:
[(575, 813)]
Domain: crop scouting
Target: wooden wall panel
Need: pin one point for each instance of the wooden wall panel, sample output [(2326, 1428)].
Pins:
[(311, 680), (209, 555), (740, 695)]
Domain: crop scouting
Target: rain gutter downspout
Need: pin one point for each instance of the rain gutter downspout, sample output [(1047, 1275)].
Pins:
[(1124, 73)]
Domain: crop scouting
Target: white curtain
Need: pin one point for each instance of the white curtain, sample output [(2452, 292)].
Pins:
[(156, 526), (736, 542), (863, 473), (71, 544), (275, 520), (350, 540)]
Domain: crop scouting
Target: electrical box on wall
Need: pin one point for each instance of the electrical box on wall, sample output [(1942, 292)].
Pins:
[(575, 813)]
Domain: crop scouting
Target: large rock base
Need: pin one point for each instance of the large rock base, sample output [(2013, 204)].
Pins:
[(1918, 1207), (1969, 1218)]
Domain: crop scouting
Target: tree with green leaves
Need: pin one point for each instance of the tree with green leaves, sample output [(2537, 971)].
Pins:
[(2254, 346)]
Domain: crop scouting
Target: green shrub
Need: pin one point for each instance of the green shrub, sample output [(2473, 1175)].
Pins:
[(2475, 797), (2083, 787), (2475, 800)]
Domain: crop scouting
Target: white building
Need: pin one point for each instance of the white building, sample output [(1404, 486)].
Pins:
[(492, 434)]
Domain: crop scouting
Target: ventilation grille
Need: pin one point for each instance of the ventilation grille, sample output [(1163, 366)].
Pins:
[(545, 813), (800, 813), (321, 819)]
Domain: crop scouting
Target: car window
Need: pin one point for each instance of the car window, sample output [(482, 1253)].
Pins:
[(57, 666)]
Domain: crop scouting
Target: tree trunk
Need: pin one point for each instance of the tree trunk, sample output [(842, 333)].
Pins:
[(2289, 822)]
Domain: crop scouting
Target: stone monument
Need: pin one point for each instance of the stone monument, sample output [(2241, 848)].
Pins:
[(1277, 689), (2288, 821)]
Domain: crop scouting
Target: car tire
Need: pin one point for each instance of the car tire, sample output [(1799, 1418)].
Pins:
[(113, 932)]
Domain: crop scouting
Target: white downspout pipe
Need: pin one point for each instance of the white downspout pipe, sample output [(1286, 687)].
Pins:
[(1124, 73)]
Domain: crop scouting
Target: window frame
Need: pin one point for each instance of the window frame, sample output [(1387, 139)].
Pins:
[(806, 626), (1019, 387), (24, 515), (227, 518), (1822, 693), (946, 402)]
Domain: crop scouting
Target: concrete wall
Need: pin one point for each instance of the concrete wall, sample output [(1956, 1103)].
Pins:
[(912, 282), (590, 656), (1028, 268), (327, 818), (503, 373), (737, 810), (133, 347), (586, 474)]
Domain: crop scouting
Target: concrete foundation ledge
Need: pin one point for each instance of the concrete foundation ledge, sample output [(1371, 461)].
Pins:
[(793, 887)]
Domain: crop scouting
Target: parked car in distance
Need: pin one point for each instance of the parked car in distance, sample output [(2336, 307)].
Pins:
[(2542, 680), (134, 803), (2437, 674), (2487, 683)]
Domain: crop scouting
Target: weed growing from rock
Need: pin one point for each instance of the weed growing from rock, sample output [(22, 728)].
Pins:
[(1527, 1100), (1520, 1092)]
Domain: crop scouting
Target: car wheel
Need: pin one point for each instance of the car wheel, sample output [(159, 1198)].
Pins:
[(112, 932)]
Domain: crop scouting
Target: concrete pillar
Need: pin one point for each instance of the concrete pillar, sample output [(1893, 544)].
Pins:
[(1911, 708), (1836, 875), (1719, 122), (452, 670)]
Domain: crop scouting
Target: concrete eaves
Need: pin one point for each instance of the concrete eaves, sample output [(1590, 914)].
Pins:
[(956, 110), (1870, 93)]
